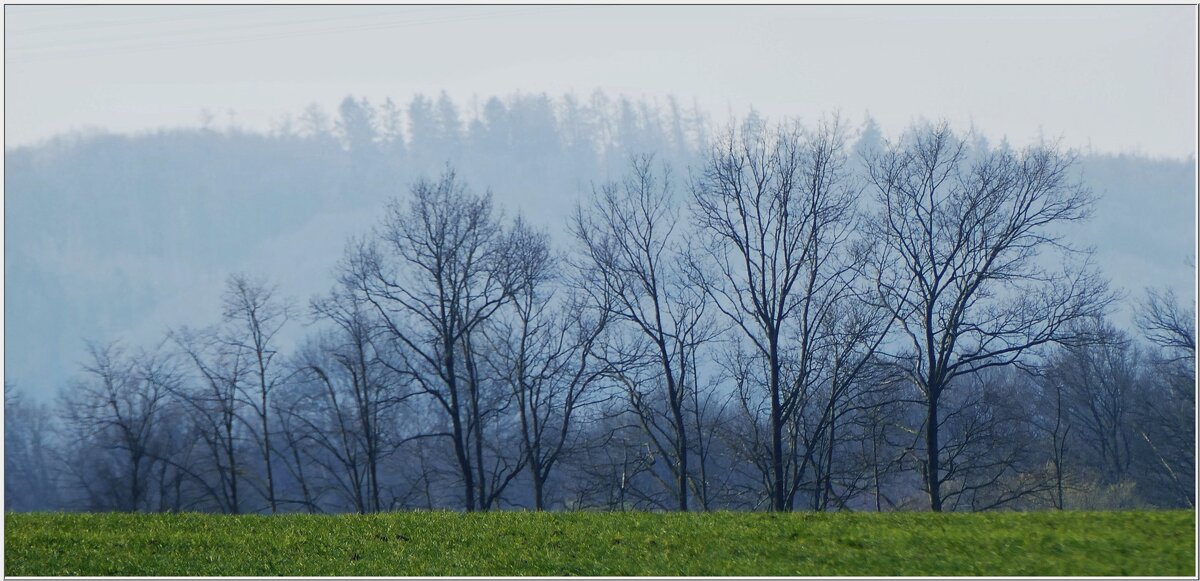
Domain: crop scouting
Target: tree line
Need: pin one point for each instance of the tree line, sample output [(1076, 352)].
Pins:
[(789, 322), (91, 205)]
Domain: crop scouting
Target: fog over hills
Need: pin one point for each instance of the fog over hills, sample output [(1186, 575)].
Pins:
[(114, 236)]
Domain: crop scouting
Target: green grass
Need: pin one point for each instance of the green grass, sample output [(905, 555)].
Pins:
[(513, 543)]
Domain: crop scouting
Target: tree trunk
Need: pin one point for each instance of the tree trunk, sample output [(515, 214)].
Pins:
[(235, 507), (267, 457), (460, 449), (780, 502), (135, 485), (933, 479), (683, 459), (827, 484), (538, 485)]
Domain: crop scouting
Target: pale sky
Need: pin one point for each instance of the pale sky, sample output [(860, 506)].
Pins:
[(1115, 78)]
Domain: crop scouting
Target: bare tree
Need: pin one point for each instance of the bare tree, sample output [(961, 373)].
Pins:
[(1052, 418), (779, 205), (1166, 406), (632, 259), (1167, 324), (301, 453), (213, 403), (544, 352), (115, 413), (435, 282), (254, 317), (352, 418), (356, 392), (964, 261)]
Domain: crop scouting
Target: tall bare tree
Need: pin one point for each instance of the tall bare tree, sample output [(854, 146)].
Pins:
[(253, 317), (632, 257), (1166, 411), (352, 417), (543, 351), (779, 205), (965, 261), (213, 402), (435, 277)]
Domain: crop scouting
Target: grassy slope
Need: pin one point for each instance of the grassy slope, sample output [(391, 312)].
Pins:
[(509, 543)]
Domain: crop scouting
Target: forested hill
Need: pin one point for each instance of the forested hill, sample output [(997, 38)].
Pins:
[(121, 236)]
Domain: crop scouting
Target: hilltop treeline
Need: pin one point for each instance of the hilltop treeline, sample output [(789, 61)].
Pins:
[(763, 316)]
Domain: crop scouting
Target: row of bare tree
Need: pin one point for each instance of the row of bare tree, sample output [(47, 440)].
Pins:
[(789, 326)]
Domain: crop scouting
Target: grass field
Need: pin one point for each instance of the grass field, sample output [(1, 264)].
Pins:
[(512, 543)]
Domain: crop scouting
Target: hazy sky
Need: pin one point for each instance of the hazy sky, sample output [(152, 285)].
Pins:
[(1119, 78)]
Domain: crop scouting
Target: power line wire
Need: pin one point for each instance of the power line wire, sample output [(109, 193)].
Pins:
[(175, 34), (138, 48)]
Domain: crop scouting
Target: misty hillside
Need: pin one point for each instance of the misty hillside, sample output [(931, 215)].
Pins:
[(123, 236)]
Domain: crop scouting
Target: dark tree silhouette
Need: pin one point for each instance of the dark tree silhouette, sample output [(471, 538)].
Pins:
[(963, 250)]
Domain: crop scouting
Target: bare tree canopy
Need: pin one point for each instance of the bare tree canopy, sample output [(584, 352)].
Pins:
[(789, 318), (1168, 324), (968, 260), (630, 236)]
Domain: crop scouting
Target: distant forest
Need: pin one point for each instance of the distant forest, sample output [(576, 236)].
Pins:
[(602, 303)]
